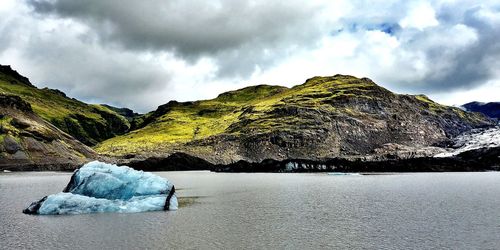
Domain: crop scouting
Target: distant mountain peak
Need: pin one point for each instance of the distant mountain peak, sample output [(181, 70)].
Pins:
[(490, 109)]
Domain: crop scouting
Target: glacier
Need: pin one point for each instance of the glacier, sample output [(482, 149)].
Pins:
[(474, 139), (101, 187)]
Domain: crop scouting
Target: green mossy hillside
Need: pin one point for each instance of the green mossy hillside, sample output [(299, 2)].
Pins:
[(86, 122), (312, 107)]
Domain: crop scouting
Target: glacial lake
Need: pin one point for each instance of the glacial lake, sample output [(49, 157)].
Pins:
[(271, 211)]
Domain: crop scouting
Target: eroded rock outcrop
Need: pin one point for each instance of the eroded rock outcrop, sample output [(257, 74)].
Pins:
[(27, 142)]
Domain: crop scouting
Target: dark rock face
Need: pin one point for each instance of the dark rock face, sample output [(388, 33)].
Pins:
[(16, 78), (485, 159), (10, 145), (55, 91), (490, 109), (125, 112), (14, 102), (174, 162)]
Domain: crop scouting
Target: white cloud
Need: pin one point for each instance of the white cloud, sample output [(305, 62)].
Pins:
[(420, 15), (100, 53), (484, 93)]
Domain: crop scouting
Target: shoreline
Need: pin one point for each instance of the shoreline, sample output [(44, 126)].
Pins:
[(480, 160)]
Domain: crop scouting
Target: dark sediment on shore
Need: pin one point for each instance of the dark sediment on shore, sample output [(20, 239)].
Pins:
[(68, 166), (486, 159), (174, 162)]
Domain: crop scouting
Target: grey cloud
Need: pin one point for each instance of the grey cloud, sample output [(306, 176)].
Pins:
[(466, 66), (93, 74), (234, 33), (448, 64), (104, 61)]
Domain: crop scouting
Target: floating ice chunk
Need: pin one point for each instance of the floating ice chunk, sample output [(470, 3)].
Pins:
[(68, 203), (101, 180), (342, 174), (101, 187)]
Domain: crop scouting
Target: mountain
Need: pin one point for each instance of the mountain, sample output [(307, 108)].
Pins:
[(88, 123), (28, 142), (490, 109), (325, 117), (337, 117)]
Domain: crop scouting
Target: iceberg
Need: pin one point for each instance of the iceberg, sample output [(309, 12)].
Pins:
[(101, 187), (343, 174)]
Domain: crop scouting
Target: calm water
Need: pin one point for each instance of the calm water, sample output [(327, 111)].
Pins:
[(234, 211)]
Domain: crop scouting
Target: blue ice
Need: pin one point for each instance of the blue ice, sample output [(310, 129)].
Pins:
[(102, 180), (102, 187), (68, 203)]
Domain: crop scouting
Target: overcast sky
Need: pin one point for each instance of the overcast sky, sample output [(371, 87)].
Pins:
[(141, 54)]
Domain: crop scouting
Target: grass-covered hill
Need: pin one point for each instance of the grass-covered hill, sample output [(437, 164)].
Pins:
[(28, 142), (88, 123), (323, 117)]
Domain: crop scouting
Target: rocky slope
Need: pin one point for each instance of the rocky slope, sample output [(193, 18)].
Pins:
[(490, 109), (88, 123), (326, 117), (28, 142)]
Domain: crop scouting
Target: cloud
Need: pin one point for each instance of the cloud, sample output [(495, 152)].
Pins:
[(420, 16), (141, 54), (56, 55), (449, 48), (190, 27), (236, 33)]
